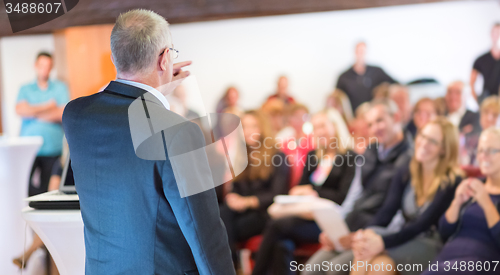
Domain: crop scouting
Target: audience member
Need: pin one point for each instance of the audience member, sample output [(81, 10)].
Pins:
[(229, 102), (339, 101), (328, 173), (381, 91), (343, 133), (466, 120), (382, 160), (488, 65), (282, 92), (399, 94), (275, 110), (471, 225), (441, 105), (423, 190), (40, 104), (425, 110), (244, 211), (295, 143), (359, 129), (359, 80), (489, 113)]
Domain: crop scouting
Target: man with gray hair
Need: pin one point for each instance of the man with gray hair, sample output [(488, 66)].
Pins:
[(466, 120), (135, 219)]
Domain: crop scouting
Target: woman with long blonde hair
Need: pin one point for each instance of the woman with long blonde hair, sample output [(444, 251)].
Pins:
[(339, 101), (423, 191), (244, 210)]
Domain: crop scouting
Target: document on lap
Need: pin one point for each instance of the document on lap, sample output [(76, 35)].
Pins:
[(328, 216)]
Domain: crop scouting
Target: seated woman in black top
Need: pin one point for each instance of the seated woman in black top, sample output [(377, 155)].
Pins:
[(472, 222), (423, 192), (328, 173), (244, 210)]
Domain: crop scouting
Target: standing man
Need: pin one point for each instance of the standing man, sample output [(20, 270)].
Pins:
[(282, 92), (488, 65), (40, 104), (135, 219), (359, 81)]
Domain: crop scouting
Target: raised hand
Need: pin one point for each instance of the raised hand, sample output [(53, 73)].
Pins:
[(178, 73)]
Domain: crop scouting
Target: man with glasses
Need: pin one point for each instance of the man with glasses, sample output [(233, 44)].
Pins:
[(136, 220)]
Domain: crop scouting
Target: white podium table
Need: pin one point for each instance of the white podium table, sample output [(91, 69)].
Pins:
[(16, 159), (62, 233)]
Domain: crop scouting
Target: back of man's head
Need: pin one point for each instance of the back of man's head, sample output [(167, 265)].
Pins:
[(137, 39)]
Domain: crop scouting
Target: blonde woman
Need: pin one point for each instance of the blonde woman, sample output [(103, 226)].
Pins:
[(244, 210), (339, 101), (425, 110), (472, 222), (423, 191), (489, 114)]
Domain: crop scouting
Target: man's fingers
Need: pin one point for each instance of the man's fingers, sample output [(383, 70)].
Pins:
[(179, 65), (181, 74)]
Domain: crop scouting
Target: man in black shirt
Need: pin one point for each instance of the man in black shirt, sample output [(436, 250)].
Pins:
[(359, 81), (488, 65)]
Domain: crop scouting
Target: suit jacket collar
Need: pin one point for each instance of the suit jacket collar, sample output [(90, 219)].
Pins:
[(125, 89)]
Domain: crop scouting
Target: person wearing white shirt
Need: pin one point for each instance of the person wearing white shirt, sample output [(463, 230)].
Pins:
[(466, 120)]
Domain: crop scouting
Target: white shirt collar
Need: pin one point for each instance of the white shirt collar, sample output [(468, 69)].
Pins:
[(456, 116), (148, 88)]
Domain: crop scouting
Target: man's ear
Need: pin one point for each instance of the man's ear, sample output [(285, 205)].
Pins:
[(113, 60), (163, 60)]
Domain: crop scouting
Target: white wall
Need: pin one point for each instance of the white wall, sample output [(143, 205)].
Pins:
[(439, 40), (17, 61)]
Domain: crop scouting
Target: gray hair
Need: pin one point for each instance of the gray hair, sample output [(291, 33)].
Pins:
[(137, 40), (388, 104)]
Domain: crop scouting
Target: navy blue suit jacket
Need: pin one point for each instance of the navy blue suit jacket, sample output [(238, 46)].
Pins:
[(135, 221)]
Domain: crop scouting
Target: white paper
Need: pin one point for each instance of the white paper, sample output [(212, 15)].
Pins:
[(286, 199), (329, 218)]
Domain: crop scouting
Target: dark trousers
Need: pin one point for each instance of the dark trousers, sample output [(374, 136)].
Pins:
[(40, 175), (280, 239), (242, 226)]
